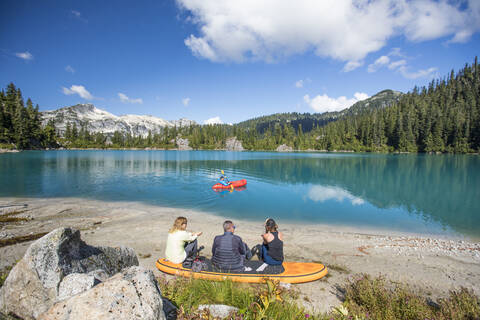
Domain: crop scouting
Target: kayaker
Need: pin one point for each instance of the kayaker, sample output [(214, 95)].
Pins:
[(181, 244), (224, 180), (272, 247)]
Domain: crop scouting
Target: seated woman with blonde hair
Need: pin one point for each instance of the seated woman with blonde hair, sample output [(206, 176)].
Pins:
[(181, 244)]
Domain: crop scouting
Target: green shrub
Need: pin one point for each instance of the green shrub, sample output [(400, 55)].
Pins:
[(4, 274), (375, 298), (463, 304), (264, 301)]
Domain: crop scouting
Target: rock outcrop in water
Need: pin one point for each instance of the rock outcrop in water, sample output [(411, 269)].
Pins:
[(284, 148), (55, 267), (232, 144), (183, 144)]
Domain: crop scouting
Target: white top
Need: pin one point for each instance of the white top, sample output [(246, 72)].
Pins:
[(175, 251)]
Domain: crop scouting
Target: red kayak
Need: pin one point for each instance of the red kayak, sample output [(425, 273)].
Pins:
[(235, 184)]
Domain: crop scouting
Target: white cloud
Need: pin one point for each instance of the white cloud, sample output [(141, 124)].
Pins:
[(396, 64), (125, 99), (402, 67), (302, 82), (383, 60), (396, 52), (78, 15), (428, 73), (323, 103), (213, 120), (80, 90), (69, 69), (345, 30), (323, 193), (186, 101), (352, 65), (24, 55)]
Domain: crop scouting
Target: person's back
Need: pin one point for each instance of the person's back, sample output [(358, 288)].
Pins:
[(275, 247), (228, 250)]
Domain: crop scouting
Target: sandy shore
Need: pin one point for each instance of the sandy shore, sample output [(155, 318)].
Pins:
[(432, 266)]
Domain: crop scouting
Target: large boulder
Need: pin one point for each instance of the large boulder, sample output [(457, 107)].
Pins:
[(183, 144), (32, 286), (284, 148), (131, 294), (232, 144)]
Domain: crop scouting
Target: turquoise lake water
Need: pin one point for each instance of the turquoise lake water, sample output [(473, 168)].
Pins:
[(428, 194)]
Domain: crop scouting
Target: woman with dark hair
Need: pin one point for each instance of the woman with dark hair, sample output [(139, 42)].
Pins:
[(181, 244), (272, 247)]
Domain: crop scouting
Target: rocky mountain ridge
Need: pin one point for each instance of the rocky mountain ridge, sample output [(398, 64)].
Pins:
[(98, 120)]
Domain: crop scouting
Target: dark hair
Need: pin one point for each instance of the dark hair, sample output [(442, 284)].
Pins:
[(271, 225), (227, 225)]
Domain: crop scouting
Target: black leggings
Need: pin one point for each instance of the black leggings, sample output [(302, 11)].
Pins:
[(191, 248)]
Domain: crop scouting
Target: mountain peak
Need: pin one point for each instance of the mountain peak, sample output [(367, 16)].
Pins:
[(98, 120)]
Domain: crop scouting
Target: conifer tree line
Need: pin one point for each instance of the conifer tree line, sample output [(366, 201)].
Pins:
[(442, 117), (20, 124)]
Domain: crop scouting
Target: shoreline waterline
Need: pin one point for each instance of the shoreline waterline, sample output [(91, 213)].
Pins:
[(365, 230)]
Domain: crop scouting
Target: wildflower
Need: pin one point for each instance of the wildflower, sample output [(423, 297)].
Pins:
[(307, 315)]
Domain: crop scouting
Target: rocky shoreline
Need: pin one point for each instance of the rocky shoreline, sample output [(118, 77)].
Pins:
[(429, 264)]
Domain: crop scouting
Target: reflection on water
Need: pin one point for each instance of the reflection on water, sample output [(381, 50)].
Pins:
[(421, 193), (324, 193)]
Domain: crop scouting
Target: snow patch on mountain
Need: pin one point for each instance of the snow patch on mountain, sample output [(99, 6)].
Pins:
[(98, 120)]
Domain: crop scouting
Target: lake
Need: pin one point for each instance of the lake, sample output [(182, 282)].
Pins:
[(427, 194)]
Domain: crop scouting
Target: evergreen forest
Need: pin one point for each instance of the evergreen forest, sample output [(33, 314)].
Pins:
[(441, 117)]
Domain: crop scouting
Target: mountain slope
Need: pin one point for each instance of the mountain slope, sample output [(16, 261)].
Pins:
[(309, 121), (98, 120)]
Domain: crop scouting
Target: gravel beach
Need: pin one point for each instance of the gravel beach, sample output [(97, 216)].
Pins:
[(430, 265)]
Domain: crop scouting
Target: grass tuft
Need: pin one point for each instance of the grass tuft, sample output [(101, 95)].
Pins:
[(4, 274), (376, 298)]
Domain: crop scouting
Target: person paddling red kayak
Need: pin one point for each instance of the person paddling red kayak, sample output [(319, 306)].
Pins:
[(226, 184)]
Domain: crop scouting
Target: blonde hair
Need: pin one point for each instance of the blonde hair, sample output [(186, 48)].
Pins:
[(177, 225)]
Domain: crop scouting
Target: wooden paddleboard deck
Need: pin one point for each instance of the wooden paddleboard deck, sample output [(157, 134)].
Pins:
[(294, 272)]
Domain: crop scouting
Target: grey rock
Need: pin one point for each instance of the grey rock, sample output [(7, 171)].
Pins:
[(218, 310), (131, 294), (76, 283), (183, 144), (33, 284), (284, 148), (232, 144)]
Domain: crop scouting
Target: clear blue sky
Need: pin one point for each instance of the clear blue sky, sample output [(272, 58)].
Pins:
[(203, 59)]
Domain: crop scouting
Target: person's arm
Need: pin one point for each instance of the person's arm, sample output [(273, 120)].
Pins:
[(240, 245), (215, 245), (188, 236), (266, 237), (280, 235)]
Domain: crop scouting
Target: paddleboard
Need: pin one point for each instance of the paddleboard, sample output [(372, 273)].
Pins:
[(294, 272)]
